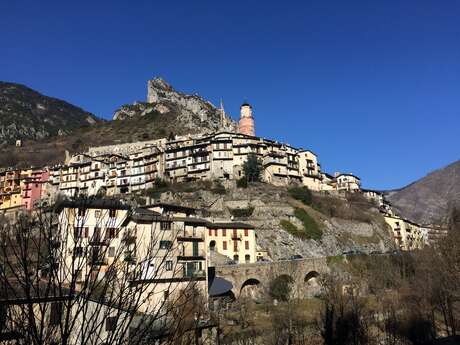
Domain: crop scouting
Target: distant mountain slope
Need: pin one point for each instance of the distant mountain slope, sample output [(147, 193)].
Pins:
[(428, 199), (166, 112), (27, 114)]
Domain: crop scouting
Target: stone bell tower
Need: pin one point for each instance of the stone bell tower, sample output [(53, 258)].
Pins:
[(246, 120)]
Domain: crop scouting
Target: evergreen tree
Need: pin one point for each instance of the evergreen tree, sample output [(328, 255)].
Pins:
[(252, 168)]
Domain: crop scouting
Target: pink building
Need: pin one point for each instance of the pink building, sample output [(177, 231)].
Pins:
[(246, 125), (33, 187)]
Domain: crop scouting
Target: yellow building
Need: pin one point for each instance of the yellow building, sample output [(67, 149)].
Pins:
[(10, 190), (407, 235), (310, 170), (235, 240)]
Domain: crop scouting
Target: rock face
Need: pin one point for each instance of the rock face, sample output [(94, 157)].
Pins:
[(190, 112), (272, 204), (429, 199), (27, 114)]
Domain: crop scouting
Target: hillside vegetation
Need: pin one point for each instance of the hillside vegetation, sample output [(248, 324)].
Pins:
[(321, 226)]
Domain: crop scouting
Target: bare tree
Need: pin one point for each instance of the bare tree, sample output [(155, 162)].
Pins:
[(61, 286)]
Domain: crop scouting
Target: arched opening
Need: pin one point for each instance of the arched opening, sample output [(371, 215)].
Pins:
[(312, 286), (212, 245), (311, 275), (251, 288)]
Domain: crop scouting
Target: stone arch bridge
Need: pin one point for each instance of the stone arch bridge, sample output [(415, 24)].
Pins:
[(253, 279)]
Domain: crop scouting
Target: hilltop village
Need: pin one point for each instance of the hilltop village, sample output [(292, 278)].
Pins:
[(118, 170)]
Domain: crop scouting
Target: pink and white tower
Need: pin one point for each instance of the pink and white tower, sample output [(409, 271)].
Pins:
[(246, 120)]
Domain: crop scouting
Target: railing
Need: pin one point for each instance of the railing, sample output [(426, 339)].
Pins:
[(98, 241), (189, 235), (200, 255)]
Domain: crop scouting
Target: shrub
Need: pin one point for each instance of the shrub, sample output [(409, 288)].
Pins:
[(291, 228), (242, 183), (218, 188), (311, 228), (242, 212), (302, 194), (280, 287)]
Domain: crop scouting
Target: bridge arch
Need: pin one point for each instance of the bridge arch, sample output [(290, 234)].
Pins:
[(251, 288), (312, 275), (312, 286)]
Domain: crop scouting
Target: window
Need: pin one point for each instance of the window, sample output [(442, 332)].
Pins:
[(210, 232), (235, 246), (165, 244), (80, 232), (81, 212), (216, 232), (247, 258), (236, 258), (111, 252), (111, 233), (78, 251), (97, 213), (224, 232), (168, 265), (224, 245), (246, 245), (235, 233), (55, 313), (246, 232), (111, 324), (96, 234), (165, 225)]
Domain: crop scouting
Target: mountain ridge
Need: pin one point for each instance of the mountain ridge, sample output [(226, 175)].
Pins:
[(167, 112), (28, 114), (430, 198)]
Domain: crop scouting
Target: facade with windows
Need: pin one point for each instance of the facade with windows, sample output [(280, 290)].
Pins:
[(407, 235), (163, 252), (347, 182), (235, 240)]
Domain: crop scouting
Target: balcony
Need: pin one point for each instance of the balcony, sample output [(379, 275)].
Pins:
[(198, 256), (237, 238), (194, 273), (98, 241), (189, 236), (98, 261)]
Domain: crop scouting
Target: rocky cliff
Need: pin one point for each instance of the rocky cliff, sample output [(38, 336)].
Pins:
[(189, 112), (27, 114), (429, 199), (270, 205)]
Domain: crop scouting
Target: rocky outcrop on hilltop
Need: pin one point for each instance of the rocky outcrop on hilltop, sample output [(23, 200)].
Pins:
[(27, 114), (429, 199), (190, 112)]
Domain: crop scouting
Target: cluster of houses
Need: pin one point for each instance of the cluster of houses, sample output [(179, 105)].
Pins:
[(164, 246), (124, 169), (132, 168), (116, 170)]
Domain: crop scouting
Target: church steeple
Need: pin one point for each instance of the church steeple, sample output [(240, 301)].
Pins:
[(223, 118)]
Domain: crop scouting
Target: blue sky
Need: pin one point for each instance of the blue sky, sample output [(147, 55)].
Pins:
[(373, 87)]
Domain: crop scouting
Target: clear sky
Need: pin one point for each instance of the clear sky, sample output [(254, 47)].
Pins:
[(373, 87)]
